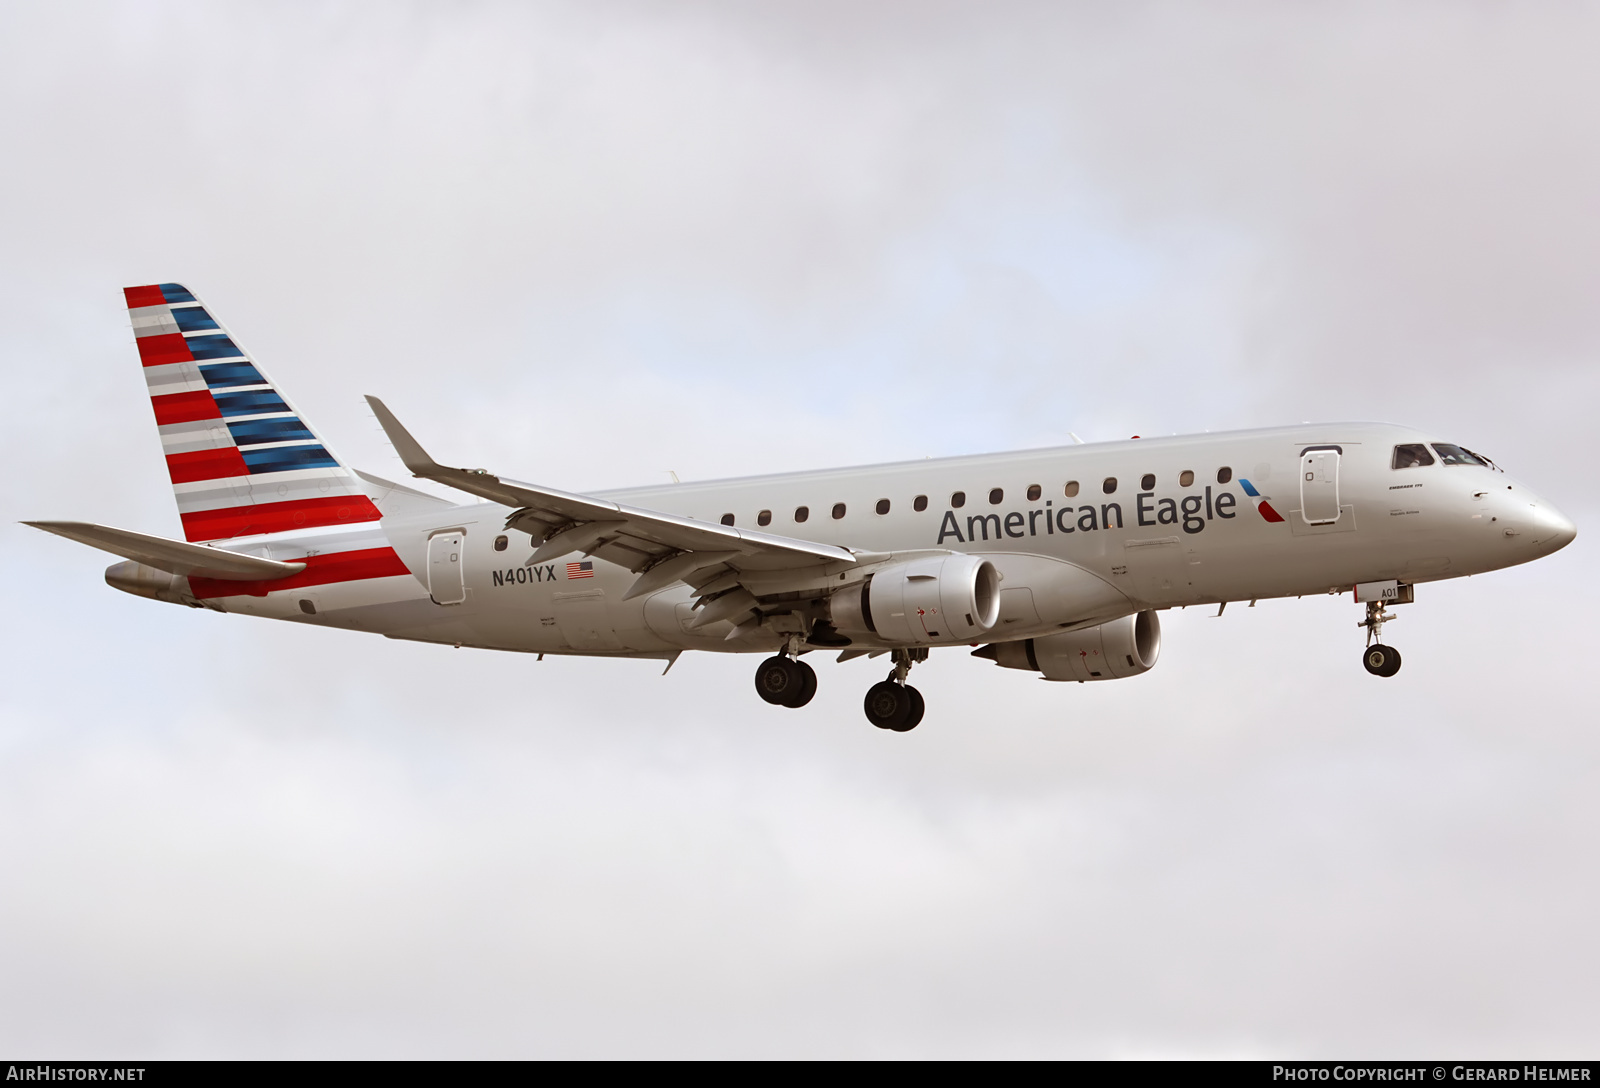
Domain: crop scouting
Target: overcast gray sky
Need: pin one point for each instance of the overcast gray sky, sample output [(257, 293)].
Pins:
[(587, 245)]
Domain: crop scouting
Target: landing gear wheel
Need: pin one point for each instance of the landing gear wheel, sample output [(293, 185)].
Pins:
[(1381, 660), (915, 714), (889, 706), (808, 686), (779, 679), (1378, 659)]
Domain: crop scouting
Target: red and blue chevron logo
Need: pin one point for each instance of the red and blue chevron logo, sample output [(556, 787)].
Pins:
[(1263, 507)]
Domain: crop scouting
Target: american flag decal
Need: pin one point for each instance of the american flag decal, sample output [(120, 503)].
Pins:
[(580, 570)]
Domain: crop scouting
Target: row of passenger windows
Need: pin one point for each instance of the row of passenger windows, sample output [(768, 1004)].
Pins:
[(1416, 455), (997, 495)]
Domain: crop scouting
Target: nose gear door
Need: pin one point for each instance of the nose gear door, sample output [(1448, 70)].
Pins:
[(447, 582), (1319, 486)]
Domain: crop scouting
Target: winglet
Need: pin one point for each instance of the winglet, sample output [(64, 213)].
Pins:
[(410, 450)]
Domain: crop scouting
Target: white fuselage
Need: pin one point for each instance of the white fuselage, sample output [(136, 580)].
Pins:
[(1078, 553)]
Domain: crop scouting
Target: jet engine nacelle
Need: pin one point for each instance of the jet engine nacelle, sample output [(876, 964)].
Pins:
[(1111, 651), (943, 598)]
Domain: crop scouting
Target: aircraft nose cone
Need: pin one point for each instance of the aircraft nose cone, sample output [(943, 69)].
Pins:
[(1552, 529)]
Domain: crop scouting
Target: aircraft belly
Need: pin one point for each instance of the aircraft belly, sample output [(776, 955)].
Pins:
[(330, 604), (582, 617)]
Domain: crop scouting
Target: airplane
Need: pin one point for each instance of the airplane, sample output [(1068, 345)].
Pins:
[(1052, 561)]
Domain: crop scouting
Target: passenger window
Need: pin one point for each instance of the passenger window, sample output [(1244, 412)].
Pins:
[(1034, 491), (1185, 478), (959, 499), (838, 511), (1413, 456), (764, 518), (996, 496), (1455, 455), (883, 506), (1224, 475), (1072, 489), (1110, 485), (500, 543), (920, 503), (1148, 482), (801, 513), (727, 519)]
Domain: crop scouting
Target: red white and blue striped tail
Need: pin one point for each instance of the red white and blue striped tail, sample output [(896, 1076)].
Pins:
[(243, 462)]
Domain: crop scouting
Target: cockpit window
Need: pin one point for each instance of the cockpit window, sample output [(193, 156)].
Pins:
[(1455, 455), (1412, 456)]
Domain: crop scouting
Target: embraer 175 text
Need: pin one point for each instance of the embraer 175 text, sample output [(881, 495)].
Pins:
[(1053, 561)]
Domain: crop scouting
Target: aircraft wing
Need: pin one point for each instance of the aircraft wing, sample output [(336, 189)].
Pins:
[(666, 548), (172, 556)]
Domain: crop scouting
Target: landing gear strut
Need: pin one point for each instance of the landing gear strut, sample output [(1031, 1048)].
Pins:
[(786, 681), (892, 703), (1378, 659)]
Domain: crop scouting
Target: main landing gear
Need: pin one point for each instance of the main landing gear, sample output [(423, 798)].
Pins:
[(1378, 659), (892, 703), (785, 680)]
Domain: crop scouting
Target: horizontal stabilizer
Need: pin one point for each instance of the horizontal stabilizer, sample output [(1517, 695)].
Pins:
[(172, 556)]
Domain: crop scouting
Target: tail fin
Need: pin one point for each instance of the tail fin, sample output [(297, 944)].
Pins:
[(242, 460)]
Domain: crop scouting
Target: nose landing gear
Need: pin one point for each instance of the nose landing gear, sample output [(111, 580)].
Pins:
[(1378, 659), (892, 703)]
